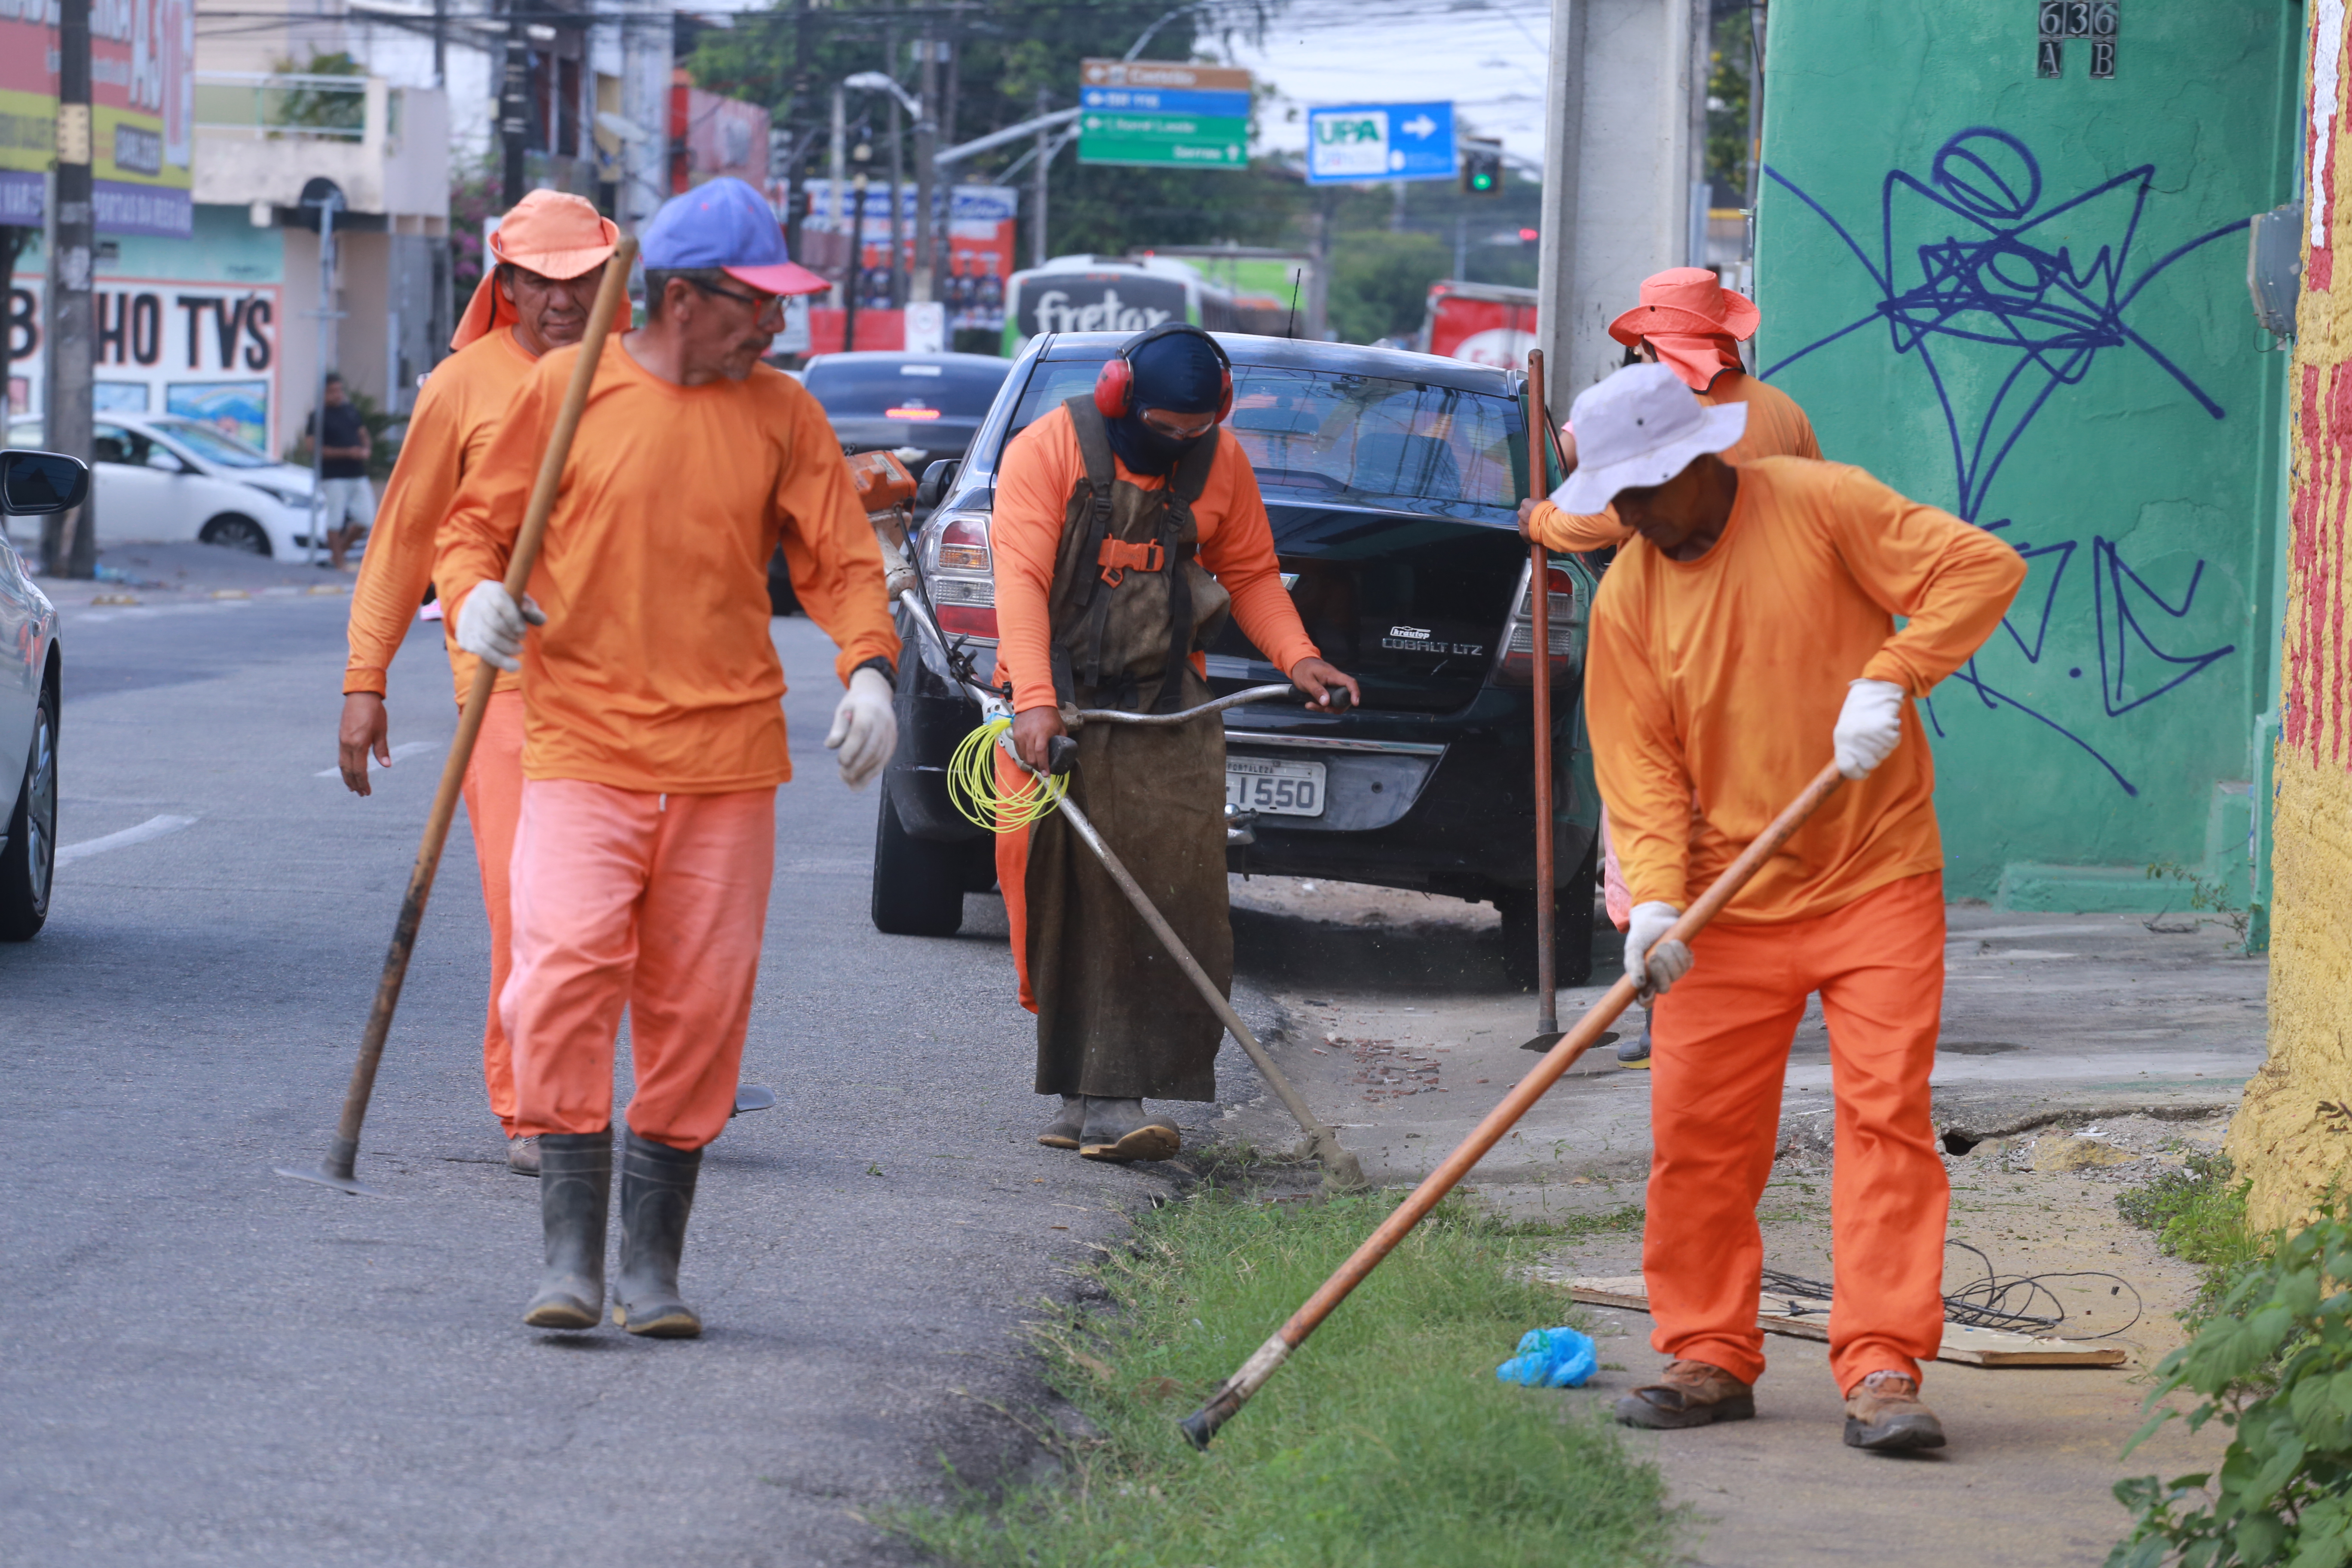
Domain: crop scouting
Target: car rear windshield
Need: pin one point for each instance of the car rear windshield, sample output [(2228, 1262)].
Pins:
[(872, 388), (1363, 439)]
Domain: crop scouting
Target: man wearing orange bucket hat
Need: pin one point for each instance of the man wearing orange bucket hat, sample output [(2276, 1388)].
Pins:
[(1689, 323), (548, 256)]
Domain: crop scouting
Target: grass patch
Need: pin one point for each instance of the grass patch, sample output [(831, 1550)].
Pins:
[(2198, 1214), (1386, 1442)]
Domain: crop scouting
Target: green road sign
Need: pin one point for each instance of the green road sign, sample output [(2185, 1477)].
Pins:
[(1158, 112)]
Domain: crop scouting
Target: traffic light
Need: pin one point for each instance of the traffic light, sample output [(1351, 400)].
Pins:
[(1482, 167)]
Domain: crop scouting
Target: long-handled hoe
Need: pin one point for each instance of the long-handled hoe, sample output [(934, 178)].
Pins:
[(1202, 1423), (343, 1150)]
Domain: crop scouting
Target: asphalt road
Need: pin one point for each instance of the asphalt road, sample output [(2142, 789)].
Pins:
[(204, 1363)]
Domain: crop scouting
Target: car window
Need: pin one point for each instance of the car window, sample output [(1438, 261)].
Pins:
[(870, 388), (115, 444), (1360, 438), (215, 448)]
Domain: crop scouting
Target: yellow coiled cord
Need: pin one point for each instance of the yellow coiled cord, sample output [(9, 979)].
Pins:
[(972, 787)]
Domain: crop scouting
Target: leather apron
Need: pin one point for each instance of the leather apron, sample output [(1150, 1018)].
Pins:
[(1129, 605)]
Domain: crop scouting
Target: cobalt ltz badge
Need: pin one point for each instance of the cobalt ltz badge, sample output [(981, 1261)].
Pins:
[(2092, 21)]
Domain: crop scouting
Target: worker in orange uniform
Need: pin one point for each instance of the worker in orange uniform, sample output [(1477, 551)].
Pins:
[(1689, 323), (653, 735), (1743, 640), (548, 254), (1127, 528)]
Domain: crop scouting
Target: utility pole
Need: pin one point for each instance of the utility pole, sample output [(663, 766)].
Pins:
[(328, 202), (926, 145), (514, 113), (897, 185), (856, 253), (795, 184), (1045, 155), (441, 43), (837, 169), (69, 542)]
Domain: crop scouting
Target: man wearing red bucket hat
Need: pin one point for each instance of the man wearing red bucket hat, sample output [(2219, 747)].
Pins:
[(1689, 323), (548, 256), (653, 733)]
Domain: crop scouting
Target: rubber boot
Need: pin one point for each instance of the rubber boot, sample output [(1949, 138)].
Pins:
[(656, 1196), (1062, 1132), (1118, 1130), (575, 1191)]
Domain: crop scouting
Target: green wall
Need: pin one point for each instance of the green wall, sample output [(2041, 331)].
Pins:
[(2024, 299)]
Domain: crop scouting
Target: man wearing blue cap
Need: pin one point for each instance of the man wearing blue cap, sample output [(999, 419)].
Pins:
[(654, 740), (1126, 531)]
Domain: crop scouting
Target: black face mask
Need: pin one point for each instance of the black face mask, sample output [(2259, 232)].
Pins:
[(1145, 450)]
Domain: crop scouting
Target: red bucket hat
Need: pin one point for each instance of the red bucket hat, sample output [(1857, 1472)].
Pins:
[(548, 231), (1692, 321)]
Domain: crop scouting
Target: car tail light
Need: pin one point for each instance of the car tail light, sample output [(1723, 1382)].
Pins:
[(962, 578), (1516, 666)]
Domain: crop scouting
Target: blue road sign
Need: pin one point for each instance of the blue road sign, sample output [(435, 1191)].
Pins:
[(1378, 142), (1166, 100)]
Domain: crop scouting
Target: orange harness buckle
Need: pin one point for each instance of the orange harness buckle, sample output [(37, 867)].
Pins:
[(1118, 556)]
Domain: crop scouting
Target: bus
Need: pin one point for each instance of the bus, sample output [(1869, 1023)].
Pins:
[(1115, 294)]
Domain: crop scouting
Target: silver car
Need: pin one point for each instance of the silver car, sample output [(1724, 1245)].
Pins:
[(31, 671), (164, 478)]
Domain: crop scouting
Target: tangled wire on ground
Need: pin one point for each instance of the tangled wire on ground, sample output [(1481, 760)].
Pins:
[(1997, 1300)]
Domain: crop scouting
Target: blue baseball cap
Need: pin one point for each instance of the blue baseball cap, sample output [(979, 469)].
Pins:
[(726, 223)]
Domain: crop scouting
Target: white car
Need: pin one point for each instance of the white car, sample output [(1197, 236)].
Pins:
[(31, 483), (162, 479)]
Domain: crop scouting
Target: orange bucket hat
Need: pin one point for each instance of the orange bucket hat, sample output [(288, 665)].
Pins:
[(1692, 321), (548, 231)]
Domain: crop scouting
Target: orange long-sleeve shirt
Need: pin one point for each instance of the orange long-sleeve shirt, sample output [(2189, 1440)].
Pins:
[(1777, 427), (654, 671), (456, 416), (1042, 466), (1714, 685)]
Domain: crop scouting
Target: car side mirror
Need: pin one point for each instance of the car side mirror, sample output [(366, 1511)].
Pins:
[(34, 483), (936, 479)]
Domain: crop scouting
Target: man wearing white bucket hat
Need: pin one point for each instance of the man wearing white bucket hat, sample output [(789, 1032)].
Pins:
[(1744, 631)]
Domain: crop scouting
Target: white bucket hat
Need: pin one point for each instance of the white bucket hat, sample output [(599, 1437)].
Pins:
[(1639, 428)]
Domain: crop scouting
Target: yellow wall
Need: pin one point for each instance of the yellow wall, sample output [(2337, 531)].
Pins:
[(2284, 1138)]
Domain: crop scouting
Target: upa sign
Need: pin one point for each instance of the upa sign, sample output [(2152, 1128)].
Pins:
[(1384, 142)]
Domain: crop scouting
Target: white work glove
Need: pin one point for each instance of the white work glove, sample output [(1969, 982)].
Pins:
[(490, 625), (865, 730), (1652, 965), (1868, 726)]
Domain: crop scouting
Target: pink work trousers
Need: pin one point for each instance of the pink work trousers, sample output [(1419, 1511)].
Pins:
[(493, 791), (1719, 1052), (652, 902)]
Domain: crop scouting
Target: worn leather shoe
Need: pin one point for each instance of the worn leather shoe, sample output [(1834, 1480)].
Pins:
[(522, 1156), (1062, 1132), (1688, 1393), (1883, 1413), (1118, 1130)]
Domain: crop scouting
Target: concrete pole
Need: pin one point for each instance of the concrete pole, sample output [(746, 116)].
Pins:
[(69, 542), (1624, 142), (837, 175), (1044, 156), (927, 144)]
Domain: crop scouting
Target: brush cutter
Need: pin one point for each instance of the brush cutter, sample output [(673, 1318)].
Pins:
[(1202, 1423), (342, 1150)]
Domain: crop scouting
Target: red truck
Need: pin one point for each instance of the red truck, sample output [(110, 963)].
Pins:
[(1485, 324)]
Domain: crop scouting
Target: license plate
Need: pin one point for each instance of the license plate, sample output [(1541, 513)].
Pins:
[(1274, 789)]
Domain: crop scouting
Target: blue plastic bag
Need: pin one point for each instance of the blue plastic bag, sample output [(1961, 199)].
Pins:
[(1552, 1358)]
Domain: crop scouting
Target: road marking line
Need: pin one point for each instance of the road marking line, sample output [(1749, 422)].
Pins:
[(153, 828), (406, 749)]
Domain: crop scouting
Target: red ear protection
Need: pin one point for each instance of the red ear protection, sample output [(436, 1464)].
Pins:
[(1116, 385)]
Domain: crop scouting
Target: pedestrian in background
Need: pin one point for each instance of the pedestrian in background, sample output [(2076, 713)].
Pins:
[(347, 499), (550, 253), (653, 728), (1748, 629)]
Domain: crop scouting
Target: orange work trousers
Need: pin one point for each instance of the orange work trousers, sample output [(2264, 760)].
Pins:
[(1719, 1052), (493, 791), (652, 902)]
